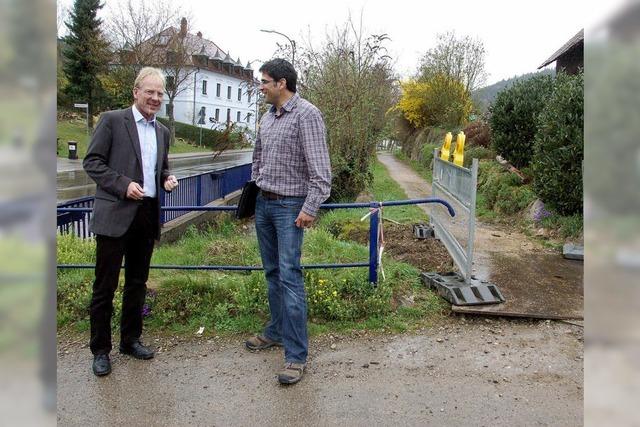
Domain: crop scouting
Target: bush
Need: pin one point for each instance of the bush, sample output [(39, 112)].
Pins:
[(435, 100), (558, 150), (350, 80), (480, 153), (514, 118), (478, 134), (210, 138), (502, 191)]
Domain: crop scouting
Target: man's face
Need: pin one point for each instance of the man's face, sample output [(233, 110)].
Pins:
[(270, 88), (148, 97)]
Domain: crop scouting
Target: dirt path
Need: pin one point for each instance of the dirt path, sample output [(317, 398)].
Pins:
[(536, 281), (467, 372)]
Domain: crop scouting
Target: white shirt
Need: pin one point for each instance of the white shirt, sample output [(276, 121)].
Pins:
[(148, 149)]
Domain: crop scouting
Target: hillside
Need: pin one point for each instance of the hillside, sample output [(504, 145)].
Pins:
[(483, 97)]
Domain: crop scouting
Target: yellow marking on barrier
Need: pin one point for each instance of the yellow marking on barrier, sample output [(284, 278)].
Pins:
[(458, 154), (445, 151)]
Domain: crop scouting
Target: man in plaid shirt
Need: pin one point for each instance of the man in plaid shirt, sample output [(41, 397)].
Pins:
[(291, 167)]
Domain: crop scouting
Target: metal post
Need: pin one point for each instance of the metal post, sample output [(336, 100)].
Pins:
[(373, 245), (161, 200), (199, 190), (195, 74), (472, 219)]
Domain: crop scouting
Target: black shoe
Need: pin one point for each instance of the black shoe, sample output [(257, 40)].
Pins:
[(137, 350), (101, 365)]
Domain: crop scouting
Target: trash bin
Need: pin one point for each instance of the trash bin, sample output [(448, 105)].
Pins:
[(73, 150)]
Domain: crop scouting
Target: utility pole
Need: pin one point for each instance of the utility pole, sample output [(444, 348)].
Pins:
[(193, 120)]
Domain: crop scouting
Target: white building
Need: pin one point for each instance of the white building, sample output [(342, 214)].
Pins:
[(223, 89)]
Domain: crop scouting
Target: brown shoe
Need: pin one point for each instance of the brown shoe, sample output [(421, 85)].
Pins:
[(260, 342), (291, 373)]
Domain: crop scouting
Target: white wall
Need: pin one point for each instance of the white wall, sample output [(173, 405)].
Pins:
[(184, 102)]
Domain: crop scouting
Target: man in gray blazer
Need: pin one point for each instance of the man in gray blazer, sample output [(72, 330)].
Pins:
[(128, 160)]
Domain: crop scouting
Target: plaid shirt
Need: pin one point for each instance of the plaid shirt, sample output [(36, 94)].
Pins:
[(291, 156)]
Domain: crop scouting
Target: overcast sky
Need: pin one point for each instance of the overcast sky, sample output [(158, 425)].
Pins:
[(518, 35)]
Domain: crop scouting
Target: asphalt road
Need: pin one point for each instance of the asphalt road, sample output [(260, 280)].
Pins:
[(481, 372)]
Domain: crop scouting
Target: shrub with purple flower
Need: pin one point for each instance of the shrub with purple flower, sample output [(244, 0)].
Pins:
[(541, 214), (149, 301)]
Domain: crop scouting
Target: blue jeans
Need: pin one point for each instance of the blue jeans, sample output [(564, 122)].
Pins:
[(280, 243)]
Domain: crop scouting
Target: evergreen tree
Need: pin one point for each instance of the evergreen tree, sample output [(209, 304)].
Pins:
[(86, 54)]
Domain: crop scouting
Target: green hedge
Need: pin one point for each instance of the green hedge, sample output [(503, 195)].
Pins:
[(559, 146), (210, 138), (514, 118)]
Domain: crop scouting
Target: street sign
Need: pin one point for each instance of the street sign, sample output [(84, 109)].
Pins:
[(86, 108)]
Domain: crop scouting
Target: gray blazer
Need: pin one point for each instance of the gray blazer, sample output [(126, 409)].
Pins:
[(113, 160)]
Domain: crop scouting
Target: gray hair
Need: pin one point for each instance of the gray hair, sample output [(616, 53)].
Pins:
[(147, 72)]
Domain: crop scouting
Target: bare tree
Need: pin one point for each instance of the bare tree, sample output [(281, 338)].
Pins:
[(144, 34), (136, 29), (184, 54), (350, 79), (459, 58)]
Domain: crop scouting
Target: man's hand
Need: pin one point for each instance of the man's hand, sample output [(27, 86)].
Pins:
[(304, 220), (134, 191), (170, 183)]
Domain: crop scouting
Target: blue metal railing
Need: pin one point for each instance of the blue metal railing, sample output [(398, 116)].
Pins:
[(374, 220), (198, 190), (75, 221)]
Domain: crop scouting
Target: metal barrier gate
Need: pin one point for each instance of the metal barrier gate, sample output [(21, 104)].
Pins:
[(457, 185)]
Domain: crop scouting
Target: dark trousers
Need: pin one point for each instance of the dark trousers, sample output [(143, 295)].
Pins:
[(136, 246)]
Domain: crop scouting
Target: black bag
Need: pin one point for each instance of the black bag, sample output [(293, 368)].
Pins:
[(247, 202)]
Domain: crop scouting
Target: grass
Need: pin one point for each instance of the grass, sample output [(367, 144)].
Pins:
[(76, 130), (382, 188), (231, 302), (423, 169), (339, 300), (72, 130)]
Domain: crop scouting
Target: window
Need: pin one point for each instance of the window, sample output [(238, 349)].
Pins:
[(228, 92), (238, 117), (217, 113), (249, 97), (239, 95), (218, 90), (229, 111), (204, 87)]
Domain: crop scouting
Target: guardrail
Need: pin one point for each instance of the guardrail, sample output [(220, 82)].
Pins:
[(374, 231), (196, 190)]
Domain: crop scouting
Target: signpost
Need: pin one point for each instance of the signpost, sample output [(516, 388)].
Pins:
[(201, 121), (86, 109)]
